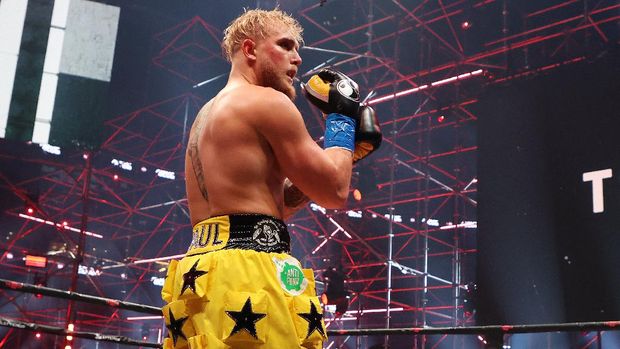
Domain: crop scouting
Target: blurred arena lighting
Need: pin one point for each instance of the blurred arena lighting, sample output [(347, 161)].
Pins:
[(50, 149), (125, 165), (357, 194), (140, 318), (165, 174), (426, 86), (58, 225)]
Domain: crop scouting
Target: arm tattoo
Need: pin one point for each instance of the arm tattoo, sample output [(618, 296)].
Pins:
[(293, 197), (195, 156)]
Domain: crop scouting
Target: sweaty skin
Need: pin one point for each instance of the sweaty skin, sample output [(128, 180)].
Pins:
[(249, 138)]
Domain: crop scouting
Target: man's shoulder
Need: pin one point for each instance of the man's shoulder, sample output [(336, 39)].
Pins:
[(263, 95), (258, 101)]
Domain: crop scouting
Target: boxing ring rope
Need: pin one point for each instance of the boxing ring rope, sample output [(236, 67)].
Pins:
[(471, 330), (63, 332), (75, 296), (52, 292)]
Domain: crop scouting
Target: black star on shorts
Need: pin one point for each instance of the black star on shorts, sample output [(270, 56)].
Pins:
[(314, 320), (176, 327), (189, 278), (245, 319)]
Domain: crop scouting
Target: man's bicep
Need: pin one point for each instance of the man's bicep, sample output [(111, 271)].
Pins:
[(293, 146), (323, 175)]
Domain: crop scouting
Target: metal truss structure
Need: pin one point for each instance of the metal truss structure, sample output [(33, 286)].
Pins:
[(407, 246)]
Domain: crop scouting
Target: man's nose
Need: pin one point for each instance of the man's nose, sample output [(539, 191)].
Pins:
[(296, 59)]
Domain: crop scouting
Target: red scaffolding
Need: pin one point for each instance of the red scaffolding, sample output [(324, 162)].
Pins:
[(407, 247)]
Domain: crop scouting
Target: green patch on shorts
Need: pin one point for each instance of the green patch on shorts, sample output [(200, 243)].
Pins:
[(290, 275)]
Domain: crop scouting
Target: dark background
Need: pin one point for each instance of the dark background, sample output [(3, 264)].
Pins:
[(544, 256)]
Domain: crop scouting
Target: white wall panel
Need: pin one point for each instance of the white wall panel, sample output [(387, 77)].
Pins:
[(90, 39), (12, 17)]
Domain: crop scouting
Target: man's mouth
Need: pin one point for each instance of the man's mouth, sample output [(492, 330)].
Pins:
[(291, 74)]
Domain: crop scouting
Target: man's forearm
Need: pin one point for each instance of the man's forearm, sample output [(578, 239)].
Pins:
[(294, 199)]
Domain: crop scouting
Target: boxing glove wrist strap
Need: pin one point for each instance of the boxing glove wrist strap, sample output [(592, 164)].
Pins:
[(339, 132)]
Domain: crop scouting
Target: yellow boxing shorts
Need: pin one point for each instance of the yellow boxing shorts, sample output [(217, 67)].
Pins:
[(238, 287)]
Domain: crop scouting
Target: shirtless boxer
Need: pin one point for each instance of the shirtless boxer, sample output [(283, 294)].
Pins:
[(238, 286)]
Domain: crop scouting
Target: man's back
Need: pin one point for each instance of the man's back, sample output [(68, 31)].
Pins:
[(229, 161)]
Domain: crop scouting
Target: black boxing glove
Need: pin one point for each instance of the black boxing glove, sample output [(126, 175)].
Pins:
[(333, 92), (367, 134)]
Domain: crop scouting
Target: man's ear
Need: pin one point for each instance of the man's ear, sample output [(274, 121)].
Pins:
[(248, 47)]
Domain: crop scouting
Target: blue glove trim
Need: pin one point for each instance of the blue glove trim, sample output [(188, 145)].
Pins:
[(339, 132)]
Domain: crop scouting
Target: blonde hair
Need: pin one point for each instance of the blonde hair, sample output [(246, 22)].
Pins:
[(257, 24)]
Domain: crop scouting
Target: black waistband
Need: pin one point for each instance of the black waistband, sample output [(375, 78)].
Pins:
[(250, 231)]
